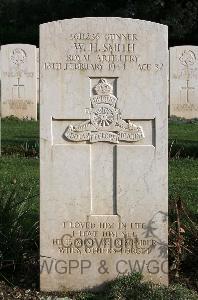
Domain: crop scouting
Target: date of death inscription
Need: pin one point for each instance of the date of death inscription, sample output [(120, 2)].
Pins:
[(99, 52)]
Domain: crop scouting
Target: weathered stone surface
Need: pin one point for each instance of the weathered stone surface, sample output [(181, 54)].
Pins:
[(18, 81), (184, 81), (103, 151), (38, 74), (0, 76)]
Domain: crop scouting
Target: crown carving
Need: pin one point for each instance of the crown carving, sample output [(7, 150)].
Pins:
[(103, 88)]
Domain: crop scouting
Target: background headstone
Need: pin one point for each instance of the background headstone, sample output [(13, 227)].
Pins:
[(103, 151), (19, 81), (184, 81)]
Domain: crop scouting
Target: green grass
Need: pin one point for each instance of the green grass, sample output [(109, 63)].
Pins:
[(183, 182), (183, 132), (22, 173), (19, 215), (183, 215), (183, 138), (131, 287), (19, 137)]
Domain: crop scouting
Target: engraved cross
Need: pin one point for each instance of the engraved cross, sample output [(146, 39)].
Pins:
[(104, 132), (18, 86), (188, 89)]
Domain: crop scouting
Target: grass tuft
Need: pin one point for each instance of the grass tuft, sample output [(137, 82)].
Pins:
[(18, 233)]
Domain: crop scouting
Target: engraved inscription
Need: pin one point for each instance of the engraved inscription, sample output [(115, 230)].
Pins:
[(104, 237), (102, 51), (18, 103), (186, 73), (105, 123), (185, 107)]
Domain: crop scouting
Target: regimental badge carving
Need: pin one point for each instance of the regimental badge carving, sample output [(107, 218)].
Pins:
[(18, 56), (105, 122), (187, 58)]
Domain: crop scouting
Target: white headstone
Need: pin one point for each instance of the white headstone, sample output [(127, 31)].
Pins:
[(0, 77), (0, 63), (184, 81), (103, 151), (38, 75), (18, 81)]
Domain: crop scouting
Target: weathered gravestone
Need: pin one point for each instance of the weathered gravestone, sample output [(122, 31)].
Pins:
[(103, 151), (184, 81), (18, 81)]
